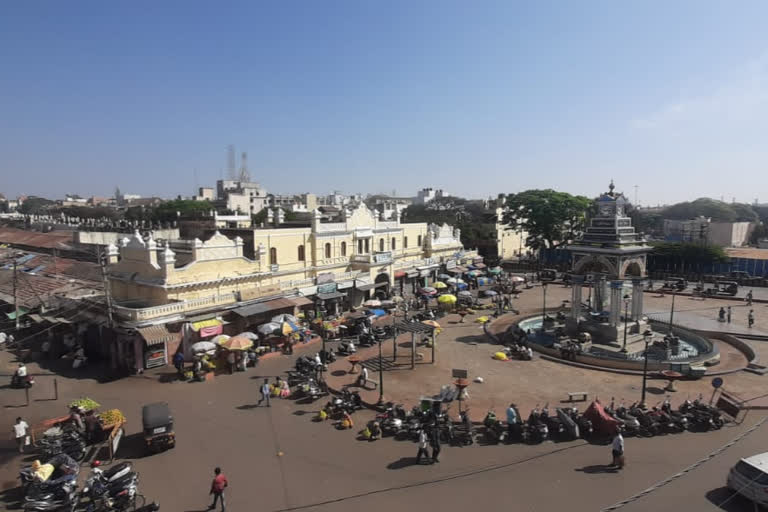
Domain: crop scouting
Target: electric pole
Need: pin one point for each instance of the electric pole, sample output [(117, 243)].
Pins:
[(107, 294), (15, 298)]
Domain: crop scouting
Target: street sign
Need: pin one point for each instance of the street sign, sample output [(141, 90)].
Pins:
[(717, 382), (459, 374)]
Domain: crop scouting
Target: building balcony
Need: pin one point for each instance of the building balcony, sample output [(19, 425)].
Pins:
[(173, 308)]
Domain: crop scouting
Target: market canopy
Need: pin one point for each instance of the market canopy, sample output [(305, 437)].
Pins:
[(12, 314), (264, 307), (332, 295), (446, 299), (157, 334)]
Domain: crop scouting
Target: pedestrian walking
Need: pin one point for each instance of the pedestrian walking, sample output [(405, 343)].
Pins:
[(721, 315), (265, 392), (435, 442), (422, 446), (749, 298), (178, 362), (751, 317), (729, 314), (217, 489), (231, 362), (20, 433), (617, 450)]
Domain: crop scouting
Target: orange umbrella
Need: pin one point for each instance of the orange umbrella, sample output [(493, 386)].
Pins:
[(237, 343)]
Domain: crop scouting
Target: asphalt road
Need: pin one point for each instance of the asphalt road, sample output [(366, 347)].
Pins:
[(278, 459)]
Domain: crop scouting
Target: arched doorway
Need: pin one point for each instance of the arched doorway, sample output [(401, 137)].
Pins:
[(633, 270), (382, 290)]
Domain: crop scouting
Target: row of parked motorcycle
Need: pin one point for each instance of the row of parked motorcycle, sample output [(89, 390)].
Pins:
[(564, 424), (52, 484), (691, 415), (110, 490)]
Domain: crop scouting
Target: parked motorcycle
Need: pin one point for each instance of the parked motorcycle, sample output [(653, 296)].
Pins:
[(555, 427), (494, 429), (536, 430), (66, 439)]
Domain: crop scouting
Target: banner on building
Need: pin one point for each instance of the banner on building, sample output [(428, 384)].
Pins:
[(325, 277), (213, 330)]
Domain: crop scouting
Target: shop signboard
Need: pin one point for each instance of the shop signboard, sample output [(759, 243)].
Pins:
[(259, 291), (274, 267), (450, 264), (325, 277), (382, 257), (326, 288)]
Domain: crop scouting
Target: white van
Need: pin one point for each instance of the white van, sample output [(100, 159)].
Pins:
[(750, 478)]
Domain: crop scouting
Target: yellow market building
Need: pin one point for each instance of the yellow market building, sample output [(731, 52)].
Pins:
[(170, 295)]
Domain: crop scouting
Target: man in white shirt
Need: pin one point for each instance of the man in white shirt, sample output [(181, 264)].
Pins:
[(363, 377), (20, 433), (423, 450), (21, 371), (617, 450)]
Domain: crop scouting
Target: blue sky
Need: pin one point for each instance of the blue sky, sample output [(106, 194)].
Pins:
[(474, 97)]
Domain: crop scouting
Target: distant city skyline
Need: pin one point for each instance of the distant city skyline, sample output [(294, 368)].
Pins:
[(477, 99)]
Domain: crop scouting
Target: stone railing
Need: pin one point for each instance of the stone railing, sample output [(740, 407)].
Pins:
[(331, 226), (360, 258), (298, 283), (174, 308)]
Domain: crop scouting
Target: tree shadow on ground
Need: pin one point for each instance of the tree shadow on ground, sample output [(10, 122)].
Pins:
[(598, 468), (246, 407), (655, 391), (339, 373), (723, 498), (475, 339)]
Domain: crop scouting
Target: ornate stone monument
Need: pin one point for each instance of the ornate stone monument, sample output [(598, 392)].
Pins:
[(608, 255)]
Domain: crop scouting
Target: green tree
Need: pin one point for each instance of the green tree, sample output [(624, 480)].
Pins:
[(34, 205), (689, 253), (759, 233), (718, 211), (550, 218)]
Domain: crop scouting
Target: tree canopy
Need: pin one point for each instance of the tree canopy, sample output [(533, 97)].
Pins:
[(718, 211), (470, 216), (34, 205), (689, 253), (550, 218)]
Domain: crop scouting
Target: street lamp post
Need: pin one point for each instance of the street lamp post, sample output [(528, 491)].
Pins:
[(647, 337), (544, 307), (626, 310), (381, 375)]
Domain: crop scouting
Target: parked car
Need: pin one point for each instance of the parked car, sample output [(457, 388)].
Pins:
[(158, 427), (749, 478)]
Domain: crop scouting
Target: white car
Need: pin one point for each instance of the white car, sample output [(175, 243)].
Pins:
[(749, 477)]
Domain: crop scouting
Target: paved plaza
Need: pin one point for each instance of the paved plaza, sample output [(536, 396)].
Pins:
[(277, 458)]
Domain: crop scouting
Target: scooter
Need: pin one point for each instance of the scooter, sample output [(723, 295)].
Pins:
[(494, 430), (22, 382)]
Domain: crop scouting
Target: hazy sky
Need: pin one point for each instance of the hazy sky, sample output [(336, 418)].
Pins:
[(361, 96)]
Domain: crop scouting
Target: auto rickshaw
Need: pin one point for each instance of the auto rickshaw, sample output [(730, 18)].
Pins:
[(158, 427)]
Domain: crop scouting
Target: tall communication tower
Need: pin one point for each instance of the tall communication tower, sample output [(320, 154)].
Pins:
[(231, 162), (245, 176)]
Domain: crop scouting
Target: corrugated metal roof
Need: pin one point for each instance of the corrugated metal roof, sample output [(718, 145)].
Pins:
[(157, 334), (263, 307)]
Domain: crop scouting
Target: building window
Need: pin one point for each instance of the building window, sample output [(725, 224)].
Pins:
[(327, 250), (405, 242), (359, 246), (381, 245), (367, 245), (301, 253), (418, 241), (394, 243), (343, 248), (273, 256)]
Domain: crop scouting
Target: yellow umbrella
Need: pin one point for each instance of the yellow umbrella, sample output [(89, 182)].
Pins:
[(447, 299), (439, 285), (482, 320)]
